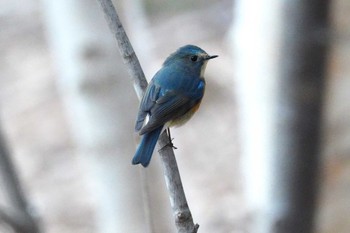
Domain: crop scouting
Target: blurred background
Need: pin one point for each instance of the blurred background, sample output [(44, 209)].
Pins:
[(67, 111)]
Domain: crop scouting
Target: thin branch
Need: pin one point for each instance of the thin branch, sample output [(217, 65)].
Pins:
[(181, 211), (20, 218), (125, 48), (9, 217), (10, 178), (183, 217)]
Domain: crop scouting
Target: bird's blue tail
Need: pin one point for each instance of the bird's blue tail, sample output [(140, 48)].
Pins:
[(145, 149)]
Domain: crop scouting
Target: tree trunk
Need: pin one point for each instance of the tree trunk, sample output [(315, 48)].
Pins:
[(280, 52)]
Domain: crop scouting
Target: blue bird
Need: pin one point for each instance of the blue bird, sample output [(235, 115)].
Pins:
[(171, 98)]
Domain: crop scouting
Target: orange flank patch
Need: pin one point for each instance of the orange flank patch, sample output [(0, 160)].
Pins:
[(183, 119)]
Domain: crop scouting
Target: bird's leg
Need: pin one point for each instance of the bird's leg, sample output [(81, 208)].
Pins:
[(170, 143)]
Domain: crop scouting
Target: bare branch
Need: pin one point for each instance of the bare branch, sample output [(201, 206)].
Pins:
[(19, 218), (125, 48), (20, 221), (10, 178), (181, 211), (9, 217), (183, 217)]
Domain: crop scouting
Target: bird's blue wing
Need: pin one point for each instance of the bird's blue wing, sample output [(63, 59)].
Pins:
[(148, 101), (171, 105), (162, 113), (167, 97)]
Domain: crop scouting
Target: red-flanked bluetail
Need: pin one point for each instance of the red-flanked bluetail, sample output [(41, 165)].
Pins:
[(172, 97)]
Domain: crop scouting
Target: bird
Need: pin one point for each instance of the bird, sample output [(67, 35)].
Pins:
[(172, 97)]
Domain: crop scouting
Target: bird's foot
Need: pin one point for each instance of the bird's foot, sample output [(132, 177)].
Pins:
[(170, 144), (170, 141)]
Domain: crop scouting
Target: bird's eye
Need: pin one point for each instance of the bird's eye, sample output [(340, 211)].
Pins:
[(194, 58)]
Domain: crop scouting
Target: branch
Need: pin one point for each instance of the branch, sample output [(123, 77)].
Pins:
[(10, 218), (183, 217), (20, 221), (181, 211), (8, 174), (125, 48), (20, 218)]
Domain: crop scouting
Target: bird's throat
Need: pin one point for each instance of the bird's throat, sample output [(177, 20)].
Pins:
[(203, 69)]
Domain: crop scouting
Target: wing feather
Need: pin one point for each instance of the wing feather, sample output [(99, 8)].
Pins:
[(170, 107), (147, 103), (165, 101)]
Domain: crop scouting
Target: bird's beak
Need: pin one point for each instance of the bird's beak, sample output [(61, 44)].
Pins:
[(211, 57)]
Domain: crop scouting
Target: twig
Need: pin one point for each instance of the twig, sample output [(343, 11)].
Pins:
[(20, 218), (20, 221), (183, 217), (181, 211), (125, 48), (11, 218)]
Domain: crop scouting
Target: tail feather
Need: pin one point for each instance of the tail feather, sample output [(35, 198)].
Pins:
[(145, 149)]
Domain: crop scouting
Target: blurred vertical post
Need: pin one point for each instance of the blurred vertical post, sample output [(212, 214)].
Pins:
[(280, 51), (301, 88), (101, 107)]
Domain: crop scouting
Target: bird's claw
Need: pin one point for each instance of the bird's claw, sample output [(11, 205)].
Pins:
[(170, 143)]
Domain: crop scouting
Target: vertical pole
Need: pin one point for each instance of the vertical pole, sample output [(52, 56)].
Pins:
[(305, 37), (280, 50)]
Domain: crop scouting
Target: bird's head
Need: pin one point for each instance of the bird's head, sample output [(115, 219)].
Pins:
[(190, 57)]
